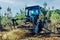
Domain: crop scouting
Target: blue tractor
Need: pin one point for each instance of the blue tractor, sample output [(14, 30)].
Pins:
[(32, 15)]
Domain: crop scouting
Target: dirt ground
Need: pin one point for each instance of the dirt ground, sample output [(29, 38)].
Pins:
[(43, 38), (21, 35)]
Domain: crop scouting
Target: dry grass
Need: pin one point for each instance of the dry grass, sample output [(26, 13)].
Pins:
[(21, 35), (15, 35)]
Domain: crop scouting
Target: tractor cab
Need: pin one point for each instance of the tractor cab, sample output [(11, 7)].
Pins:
[(32, 13)]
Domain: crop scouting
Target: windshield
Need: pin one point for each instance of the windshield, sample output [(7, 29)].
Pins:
[(33, 12)]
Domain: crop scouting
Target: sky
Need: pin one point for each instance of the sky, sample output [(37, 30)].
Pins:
[(16, 5)]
